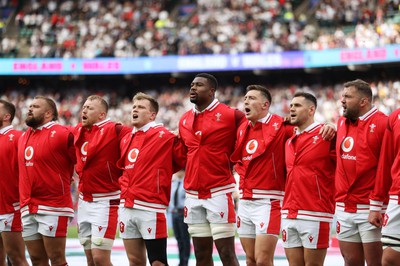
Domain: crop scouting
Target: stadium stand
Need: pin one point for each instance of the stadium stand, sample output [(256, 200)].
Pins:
[(89, 29), (174, 100)]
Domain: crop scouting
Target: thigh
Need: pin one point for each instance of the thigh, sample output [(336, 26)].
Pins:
[(373, 252), (55, 246), (265, 247), (391, 256), (136, 251), (220, 209), (2, 251), (314, 256), (13, 242), (295, 256), (352, 252), (37, 251)]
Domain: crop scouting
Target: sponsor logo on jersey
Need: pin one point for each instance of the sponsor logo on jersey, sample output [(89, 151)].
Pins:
[(347, 146), (251, 146)]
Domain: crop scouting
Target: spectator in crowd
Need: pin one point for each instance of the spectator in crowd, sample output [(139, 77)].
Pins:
[(90, 29), (308, 205), (359, 139), (97, 150), (149, 157), (11, 241), (176, 206), (387, 183), (46, 158)]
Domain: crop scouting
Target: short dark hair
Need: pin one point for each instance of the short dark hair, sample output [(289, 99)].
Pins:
[(10, 108), (362, 87), (307, 96), (51, 104), (100, 99), (143, 96), (264, 91), (211, 79)]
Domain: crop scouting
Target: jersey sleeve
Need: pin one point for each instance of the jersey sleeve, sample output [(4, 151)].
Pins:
[(383, 176)]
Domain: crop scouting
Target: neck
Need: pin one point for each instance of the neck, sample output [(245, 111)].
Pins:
[(5, 125), (202, 107), (302, 127)]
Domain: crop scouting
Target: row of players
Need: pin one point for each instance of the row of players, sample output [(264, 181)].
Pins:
[(292, 174)]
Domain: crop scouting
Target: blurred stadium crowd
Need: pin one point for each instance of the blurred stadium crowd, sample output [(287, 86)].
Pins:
[(122, 28), (174, 101)]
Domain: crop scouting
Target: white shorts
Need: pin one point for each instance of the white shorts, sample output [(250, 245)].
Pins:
[(354, 227), (304, 233), (136, 223), (391, 226), (46, 225), (219, 210), (259, 217), (97, 219), (11, 222)]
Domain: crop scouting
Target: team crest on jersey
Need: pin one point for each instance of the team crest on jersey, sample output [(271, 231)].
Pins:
[(347, 144), (161, 133), (29, 153), (251, 146), (52, 133), (84, 148), (372, 128), (275, 125), (132, 155), (218, 117), (10, 137), (315, 138)]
